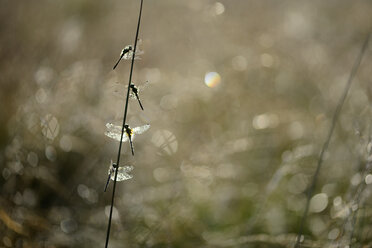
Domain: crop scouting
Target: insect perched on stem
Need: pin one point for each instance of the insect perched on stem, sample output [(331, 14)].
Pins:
[(122, 173), (119, 133), (127, 53), (126, 50), (135, 90), (129, 133), (114, 132)]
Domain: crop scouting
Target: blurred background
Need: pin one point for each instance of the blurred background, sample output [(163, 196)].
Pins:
[(239, 99)]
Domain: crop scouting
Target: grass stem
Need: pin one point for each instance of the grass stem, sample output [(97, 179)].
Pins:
[(123, 127), (329, 136)]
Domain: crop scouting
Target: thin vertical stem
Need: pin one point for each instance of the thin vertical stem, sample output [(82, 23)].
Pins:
[(123, 126), (329, 136)]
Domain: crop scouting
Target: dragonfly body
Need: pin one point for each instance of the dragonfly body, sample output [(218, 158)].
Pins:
[(127, 53), (126, 50), (114, 132), (119, 91), (129, 133), (135, 92)]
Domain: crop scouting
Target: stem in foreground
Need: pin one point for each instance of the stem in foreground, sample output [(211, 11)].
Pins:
[(123, 126)]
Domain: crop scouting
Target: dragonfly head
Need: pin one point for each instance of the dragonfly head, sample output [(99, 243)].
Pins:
[(113, 164), (126, 127), (134, 88)]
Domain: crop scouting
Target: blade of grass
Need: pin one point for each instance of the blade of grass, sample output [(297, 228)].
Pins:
[(123, 126), (329, 136)]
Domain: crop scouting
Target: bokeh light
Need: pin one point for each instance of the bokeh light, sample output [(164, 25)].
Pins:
[(225, 164), (212, 79)]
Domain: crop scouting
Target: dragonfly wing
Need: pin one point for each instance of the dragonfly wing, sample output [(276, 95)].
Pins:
[(132, 95), (123, 173), (126, 168), (118, 91), (112, 127), (143, 86), (141, 129), (123, 176), (114, 132), (130, 54), (139, 52)]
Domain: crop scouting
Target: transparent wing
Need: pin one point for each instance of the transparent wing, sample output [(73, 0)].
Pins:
[(132, 95), (116, 136), (141, 129), (116, 89), (143, 86), (122, 173), (129, 54), (112, 127), (114, 132), (120, 91)]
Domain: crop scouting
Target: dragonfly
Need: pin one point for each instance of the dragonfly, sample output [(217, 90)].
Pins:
[(122, 173), (127, 53), (114, 132), (134, 91)]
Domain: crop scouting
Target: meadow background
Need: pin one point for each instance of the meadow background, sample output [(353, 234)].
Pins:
[(223, 165)]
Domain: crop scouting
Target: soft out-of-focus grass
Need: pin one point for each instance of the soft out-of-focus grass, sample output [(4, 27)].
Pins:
[(223, 166)]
